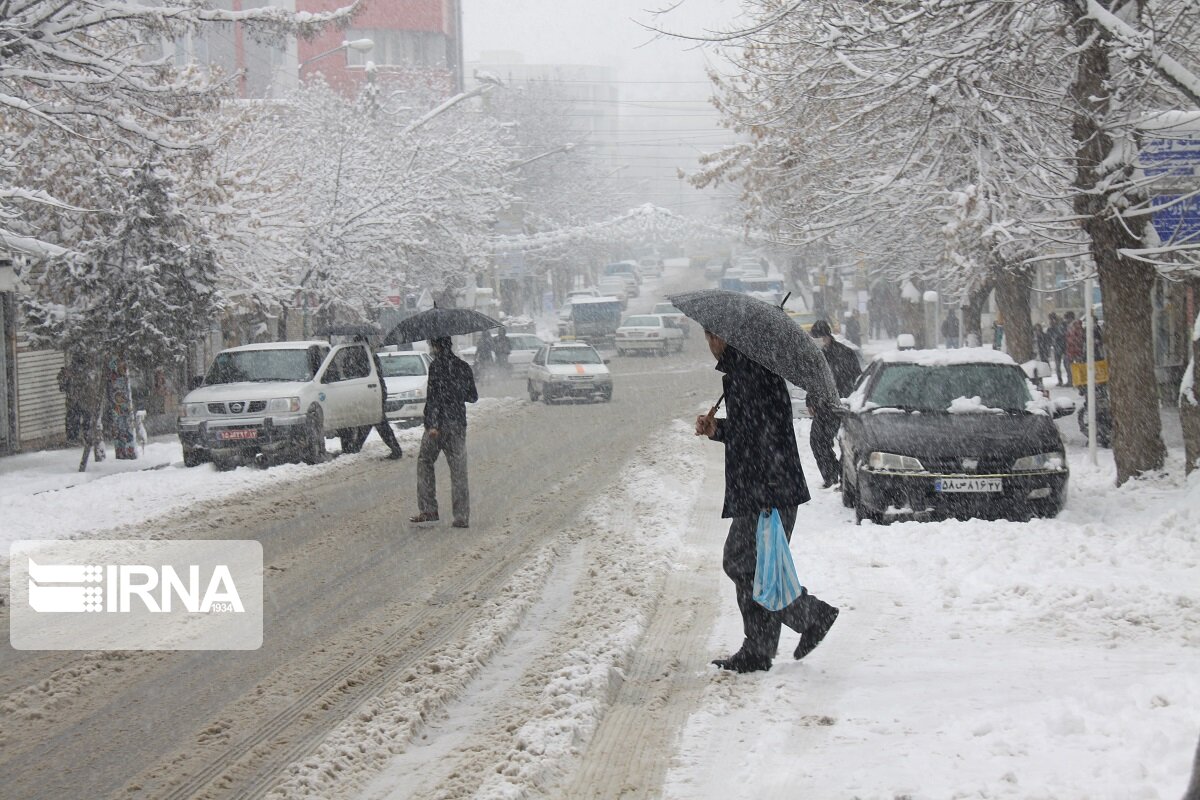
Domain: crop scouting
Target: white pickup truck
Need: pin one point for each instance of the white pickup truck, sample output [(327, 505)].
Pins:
[(278, 399)]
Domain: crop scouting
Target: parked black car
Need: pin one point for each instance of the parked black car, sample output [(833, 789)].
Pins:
[(932, 434)]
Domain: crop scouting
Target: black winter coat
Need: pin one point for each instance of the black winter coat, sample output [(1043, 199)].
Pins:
[(843, 363), (451, 386), (762, 462)]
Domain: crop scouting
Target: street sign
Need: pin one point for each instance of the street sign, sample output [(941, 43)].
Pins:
[(1174, 163)]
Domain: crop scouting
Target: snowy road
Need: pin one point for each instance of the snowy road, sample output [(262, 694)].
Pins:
[(559, 648), (356, 600)]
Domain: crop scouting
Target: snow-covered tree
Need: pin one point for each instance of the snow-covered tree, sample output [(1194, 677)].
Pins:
[(1035, 103)]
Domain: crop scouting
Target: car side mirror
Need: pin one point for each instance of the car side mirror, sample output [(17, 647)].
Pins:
[(1062, 407), (608, 361), (196, 382)]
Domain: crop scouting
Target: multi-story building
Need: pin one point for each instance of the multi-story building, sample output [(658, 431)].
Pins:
[(411, 43)]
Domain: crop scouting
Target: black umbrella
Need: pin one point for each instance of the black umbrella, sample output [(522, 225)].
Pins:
[(437, 323), (765, 334)]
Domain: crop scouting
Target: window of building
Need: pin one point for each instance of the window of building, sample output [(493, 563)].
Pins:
[(399, 48)]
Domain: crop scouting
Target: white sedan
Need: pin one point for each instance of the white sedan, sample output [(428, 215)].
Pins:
[(569, 370), (670, 312), (652, 332), (407, 377)]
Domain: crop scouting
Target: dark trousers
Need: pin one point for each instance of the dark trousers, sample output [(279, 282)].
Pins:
[(820, 437), (384, 429), (761, 627), (452, 442)]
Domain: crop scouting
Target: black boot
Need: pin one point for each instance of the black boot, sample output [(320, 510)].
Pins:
[(741, 661), (815, 632)]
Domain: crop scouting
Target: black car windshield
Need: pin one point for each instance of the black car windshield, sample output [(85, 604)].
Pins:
[(402, 366), (260, 365), (574, 355), (934, 388)]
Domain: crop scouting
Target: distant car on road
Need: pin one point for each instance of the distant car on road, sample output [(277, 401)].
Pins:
[(670, 312), (951, 433), (652, 332), (569, 370), (615, 286), (522, 347), (407, 377)]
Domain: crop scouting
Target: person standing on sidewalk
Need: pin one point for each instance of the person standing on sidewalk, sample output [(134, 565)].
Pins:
[(451, 386), (843, 363), (762, 472)]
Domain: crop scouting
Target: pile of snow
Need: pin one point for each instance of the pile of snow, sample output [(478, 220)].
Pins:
[(971, 405)]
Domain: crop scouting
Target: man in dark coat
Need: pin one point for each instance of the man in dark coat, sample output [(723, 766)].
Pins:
[(762, 471), (383, 427), (503, 347), (853, 328), (451, 386), (843, 363)]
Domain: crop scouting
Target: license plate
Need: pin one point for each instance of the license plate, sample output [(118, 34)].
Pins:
[(239, 434), (968, 485)]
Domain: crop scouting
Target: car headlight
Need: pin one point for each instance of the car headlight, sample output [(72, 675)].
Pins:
[(194, 409), (411, 394), (281, 404), (894, 463), (1040, 462)]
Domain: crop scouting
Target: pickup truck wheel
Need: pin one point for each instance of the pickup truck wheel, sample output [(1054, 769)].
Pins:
[(666, 348), (193, 457), (314, 438), (224, 463), (533, 395)]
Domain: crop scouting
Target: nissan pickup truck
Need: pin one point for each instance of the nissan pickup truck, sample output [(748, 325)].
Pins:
[(277, 400)]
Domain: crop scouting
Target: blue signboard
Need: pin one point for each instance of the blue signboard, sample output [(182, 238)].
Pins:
[(1175, 165)]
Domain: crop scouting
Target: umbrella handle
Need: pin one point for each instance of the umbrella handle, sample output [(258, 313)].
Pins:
[(712, 412)]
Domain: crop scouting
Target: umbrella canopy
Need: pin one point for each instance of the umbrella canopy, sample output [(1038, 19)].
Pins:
[(437, 323), (765, 334)]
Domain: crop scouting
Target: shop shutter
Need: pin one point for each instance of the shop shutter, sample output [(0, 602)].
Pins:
[(41, 407)]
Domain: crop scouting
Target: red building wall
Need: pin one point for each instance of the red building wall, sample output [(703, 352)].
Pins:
[(435, 16)]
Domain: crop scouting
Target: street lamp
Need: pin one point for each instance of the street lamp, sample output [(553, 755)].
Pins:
[(358, 45), (566, 148)]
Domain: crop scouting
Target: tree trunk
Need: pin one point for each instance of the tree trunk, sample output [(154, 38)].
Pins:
[(1189, 413), (912, 317), (972, 312), (1013, 287), (1124, 283)]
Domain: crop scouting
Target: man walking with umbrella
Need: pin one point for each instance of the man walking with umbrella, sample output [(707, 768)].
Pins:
[(757, 343), (451, 385)]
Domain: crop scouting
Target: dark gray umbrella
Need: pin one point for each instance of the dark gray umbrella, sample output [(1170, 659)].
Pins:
[(439, 322), (766, 334)]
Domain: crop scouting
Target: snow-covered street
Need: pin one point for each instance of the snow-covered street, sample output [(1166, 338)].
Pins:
[(1049, 659)]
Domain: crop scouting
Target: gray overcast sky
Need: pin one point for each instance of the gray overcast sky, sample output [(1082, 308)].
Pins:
[(596, 32)]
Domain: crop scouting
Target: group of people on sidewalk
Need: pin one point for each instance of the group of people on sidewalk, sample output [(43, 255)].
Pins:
[(1063, 342), (492, 351)]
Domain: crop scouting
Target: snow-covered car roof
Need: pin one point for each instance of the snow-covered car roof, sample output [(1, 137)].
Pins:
[(579, 301), (304, 345), (943, 358)]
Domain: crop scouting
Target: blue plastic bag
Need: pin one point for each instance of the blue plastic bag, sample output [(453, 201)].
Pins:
[(776, 584)]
